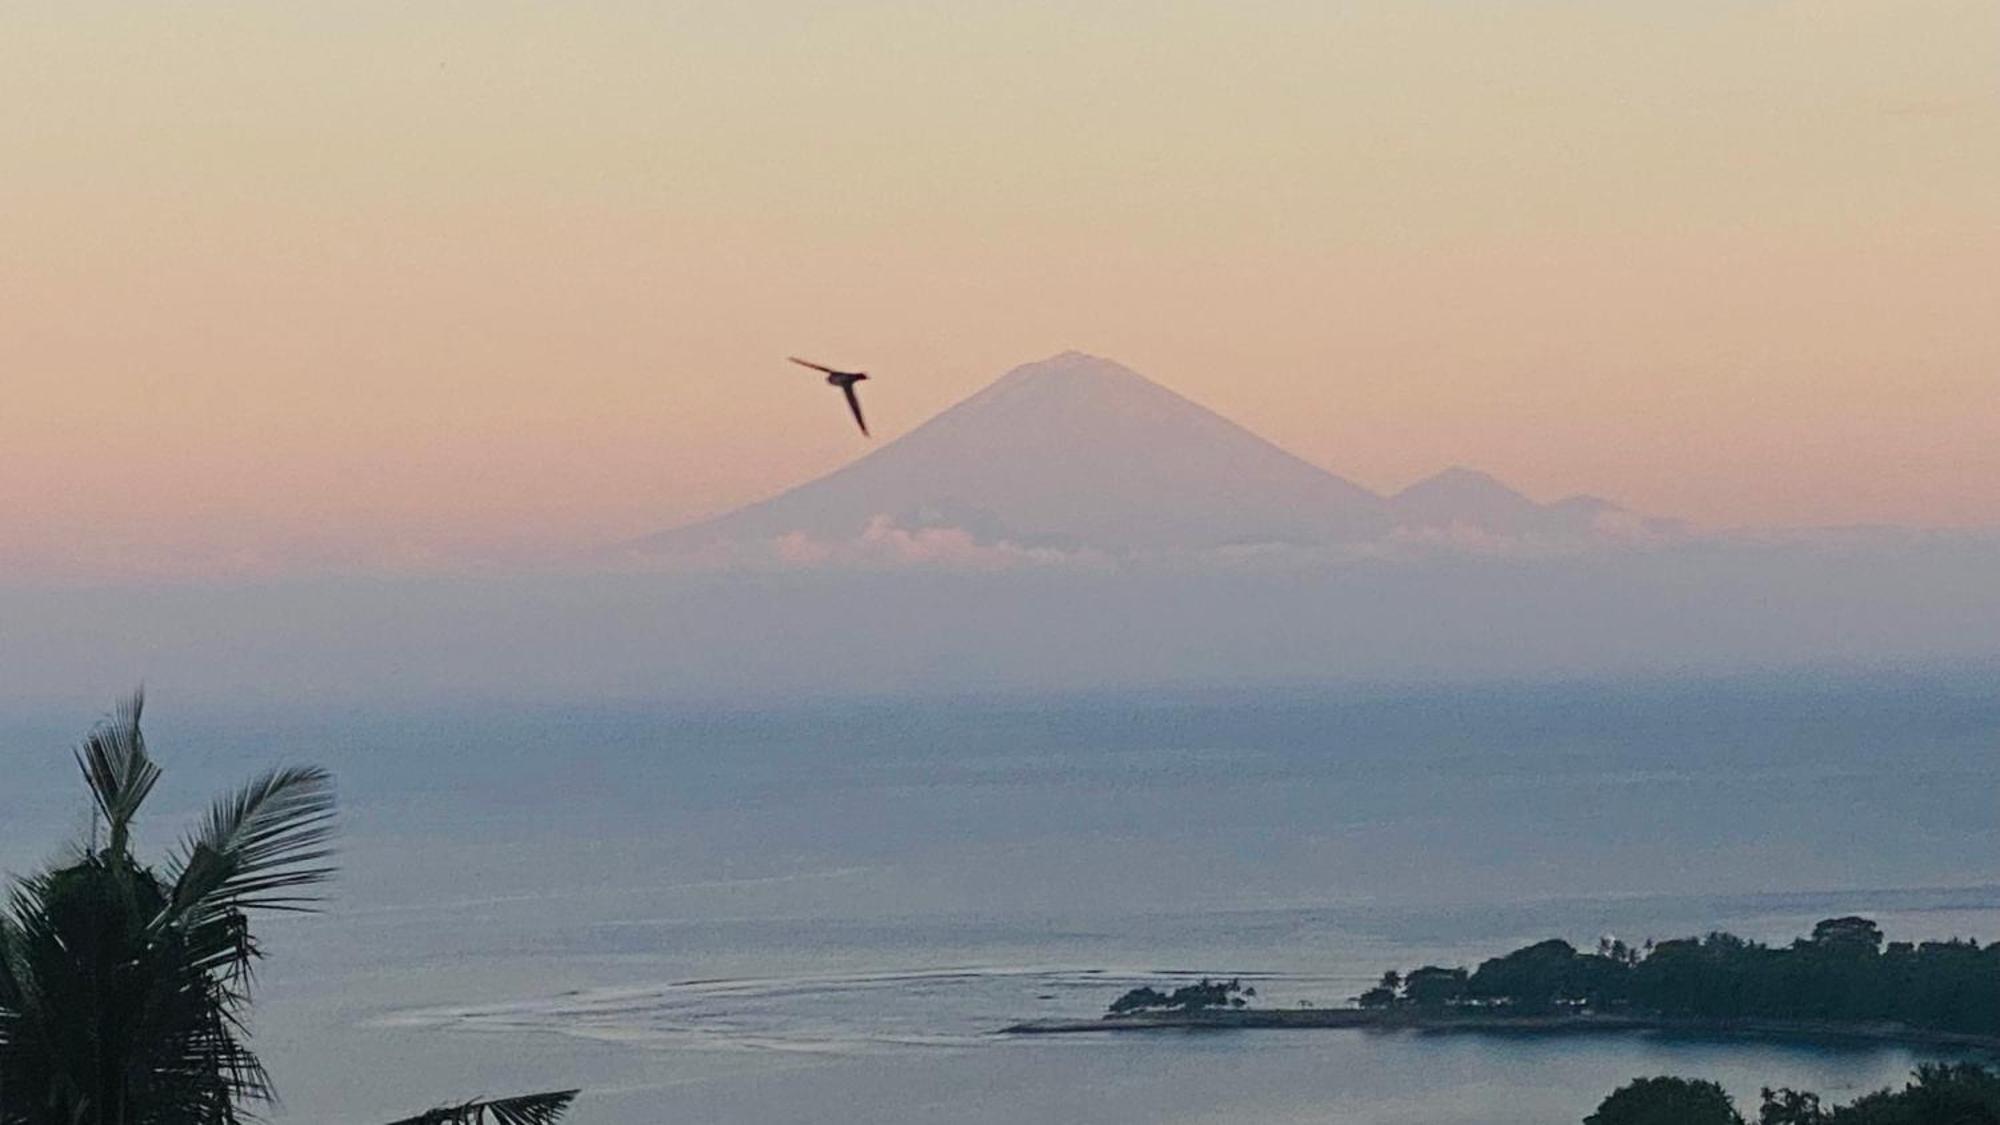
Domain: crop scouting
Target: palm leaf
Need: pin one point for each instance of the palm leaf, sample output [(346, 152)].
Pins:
[(529, 1109), (123, 989), (78, 963), (117, 768), (257, 848)]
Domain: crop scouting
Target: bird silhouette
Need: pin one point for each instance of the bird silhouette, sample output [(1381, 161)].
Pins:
[(845, 380)]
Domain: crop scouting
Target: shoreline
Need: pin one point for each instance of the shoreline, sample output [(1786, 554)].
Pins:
[(1362, 1019)]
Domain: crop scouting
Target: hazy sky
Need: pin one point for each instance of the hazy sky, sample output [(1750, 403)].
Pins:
[(384, 282)]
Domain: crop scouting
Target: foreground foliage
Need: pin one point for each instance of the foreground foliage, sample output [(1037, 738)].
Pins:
[(1964, 1094), (531, 1109), (124, 986), (1667, 1101)]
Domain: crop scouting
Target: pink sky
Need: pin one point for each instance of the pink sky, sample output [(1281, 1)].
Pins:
[(389, 284)]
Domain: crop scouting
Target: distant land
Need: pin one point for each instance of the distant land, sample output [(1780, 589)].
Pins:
[(1844, 981), (1511, 1023), (1079, 456), (1072, 527)]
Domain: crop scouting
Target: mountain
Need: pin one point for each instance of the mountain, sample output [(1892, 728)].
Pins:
[(1460, 497), (1073, 451)]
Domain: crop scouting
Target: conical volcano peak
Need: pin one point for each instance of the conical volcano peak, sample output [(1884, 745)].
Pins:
[(1069, 367), (1076, 452), (1080, 449)]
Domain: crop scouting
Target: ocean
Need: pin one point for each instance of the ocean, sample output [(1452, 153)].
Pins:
[(822, 912)]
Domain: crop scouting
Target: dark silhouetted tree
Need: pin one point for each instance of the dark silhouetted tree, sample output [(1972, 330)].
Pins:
[(1850, 934), (1187, 998), (1938, 1094), (124, 987), (1962, 1094), (1667, 1101), (1434, 987)]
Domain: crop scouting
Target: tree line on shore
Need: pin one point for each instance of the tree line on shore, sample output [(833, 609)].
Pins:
[(1199, 996), (1842, 972)]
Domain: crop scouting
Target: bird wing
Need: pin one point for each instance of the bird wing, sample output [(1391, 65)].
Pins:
[(854, 404), (814, 366)]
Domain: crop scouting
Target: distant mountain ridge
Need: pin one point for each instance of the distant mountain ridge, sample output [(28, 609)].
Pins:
[(1462, 497), (1076, 452)]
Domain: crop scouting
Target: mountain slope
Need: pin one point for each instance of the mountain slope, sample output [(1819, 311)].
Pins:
[(1074, 450)]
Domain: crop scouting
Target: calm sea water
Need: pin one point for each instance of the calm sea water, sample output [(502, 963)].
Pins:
[(821, 914)]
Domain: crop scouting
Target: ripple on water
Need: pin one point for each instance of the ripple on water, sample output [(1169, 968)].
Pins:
[(852, 1013)]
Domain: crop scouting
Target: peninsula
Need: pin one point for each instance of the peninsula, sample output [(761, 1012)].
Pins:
[(1841, 983)]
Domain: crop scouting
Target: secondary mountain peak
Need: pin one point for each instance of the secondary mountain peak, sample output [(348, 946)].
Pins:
[(1462, 495), (1460, 476)]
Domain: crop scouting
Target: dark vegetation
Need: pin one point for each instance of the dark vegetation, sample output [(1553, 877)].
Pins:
[(1667, 1101), (1196, 997), (1842, 973), (125, 985), (1964, 1094), (528, 1109)]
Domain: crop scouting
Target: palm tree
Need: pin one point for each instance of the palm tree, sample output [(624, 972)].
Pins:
[(533, 1109), (123, 987)]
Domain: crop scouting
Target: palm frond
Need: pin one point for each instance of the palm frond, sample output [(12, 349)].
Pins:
[(528, 1109), (117, 768), (257, 848), (78, 960), (124, 988)]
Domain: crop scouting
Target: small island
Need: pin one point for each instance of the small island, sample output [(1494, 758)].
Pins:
[(1841, 982)]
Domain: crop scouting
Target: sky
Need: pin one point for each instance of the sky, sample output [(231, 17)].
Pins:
[(394, 286)]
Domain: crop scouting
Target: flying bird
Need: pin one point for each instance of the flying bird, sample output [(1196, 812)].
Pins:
[(845, 380)]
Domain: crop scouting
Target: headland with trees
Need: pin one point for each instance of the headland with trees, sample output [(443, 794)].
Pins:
[(1844, 980)]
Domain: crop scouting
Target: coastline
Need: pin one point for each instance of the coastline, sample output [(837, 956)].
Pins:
[(1363, 1019)]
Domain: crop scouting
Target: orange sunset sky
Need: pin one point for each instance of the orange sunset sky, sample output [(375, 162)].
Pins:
[(395, 284)]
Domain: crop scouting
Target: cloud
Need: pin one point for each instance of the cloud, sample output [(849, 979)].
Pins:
[(882, 545), (888, 544), (1611, 533)]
